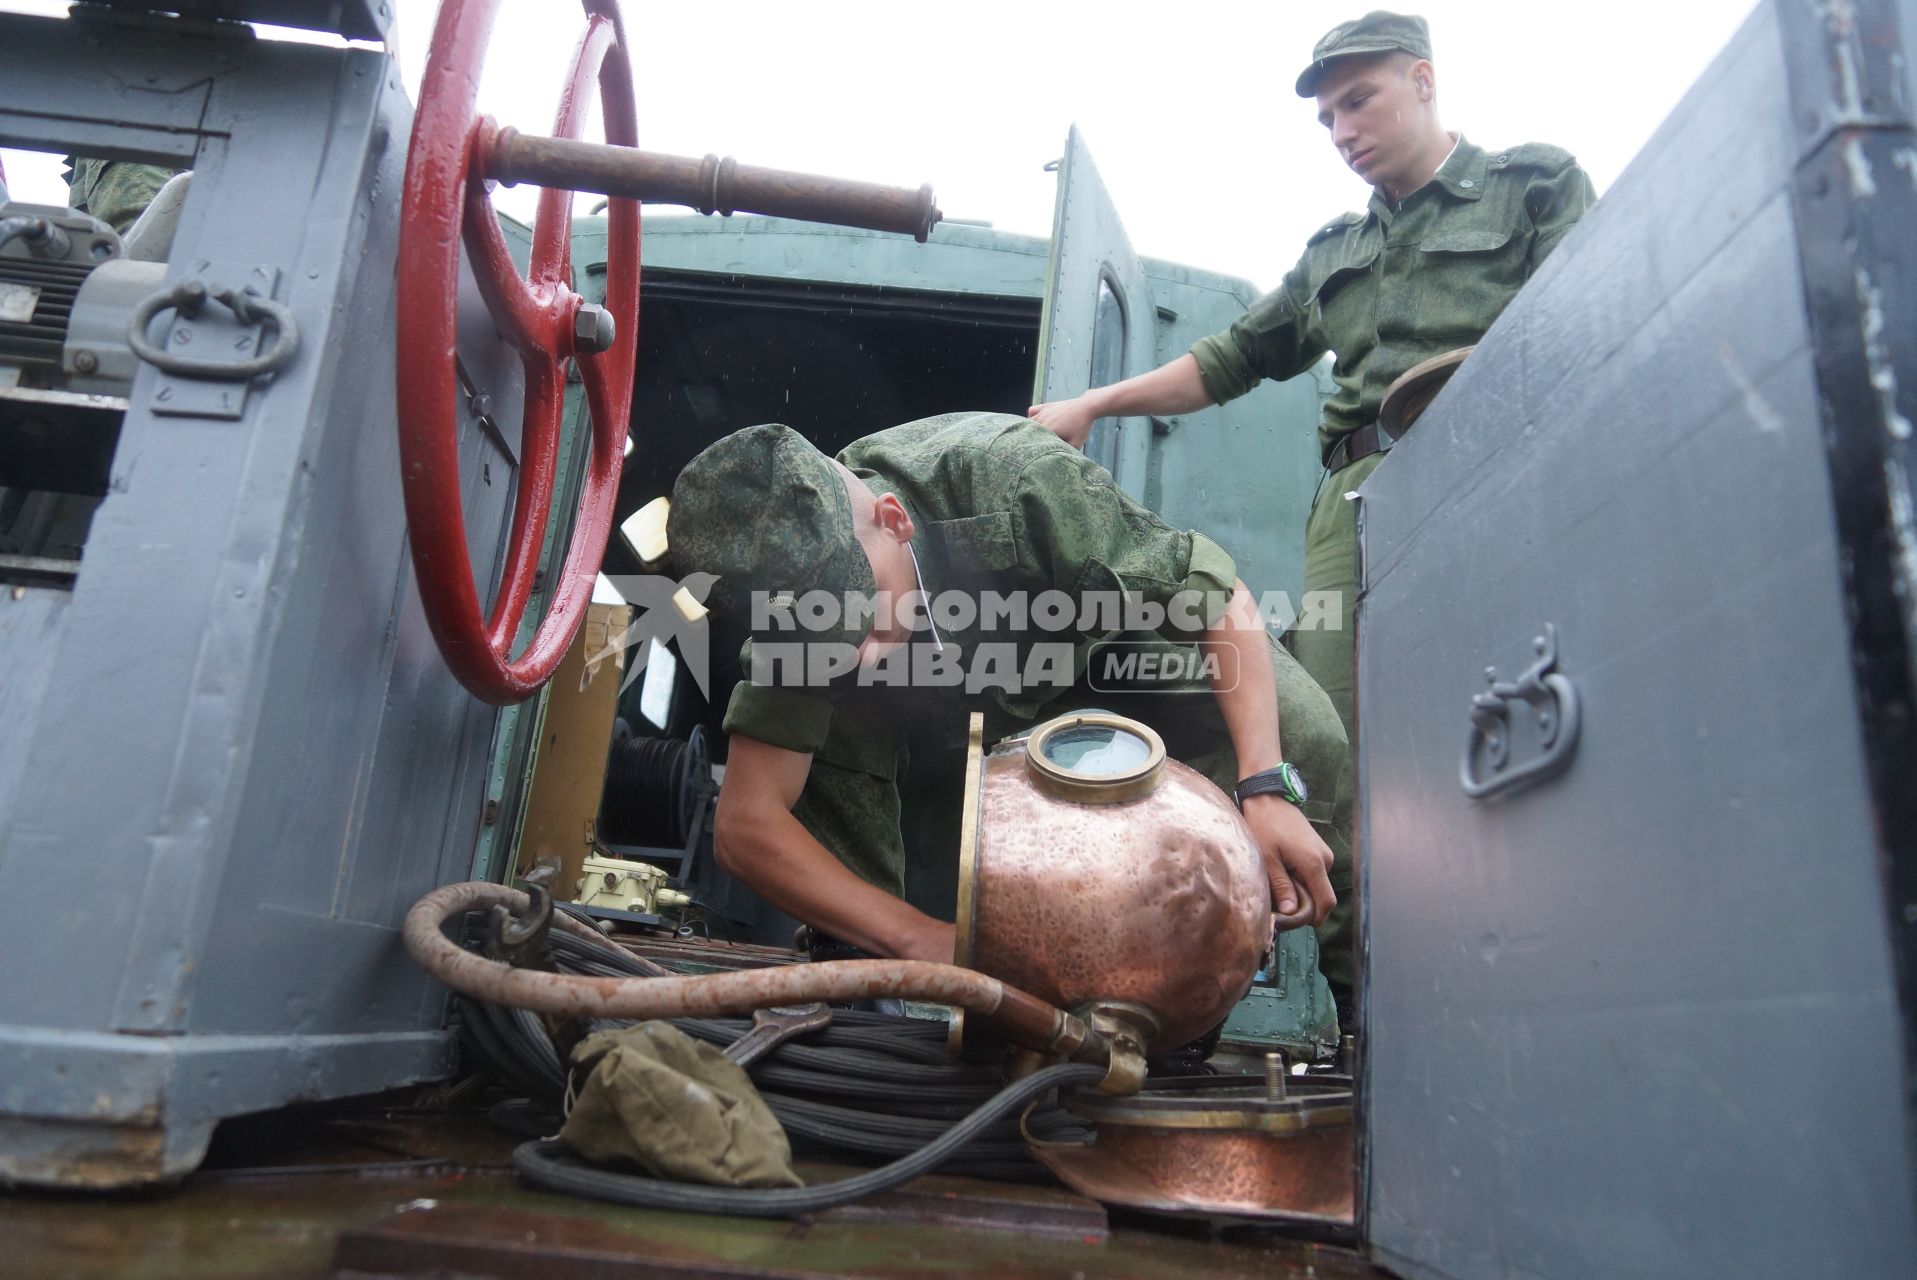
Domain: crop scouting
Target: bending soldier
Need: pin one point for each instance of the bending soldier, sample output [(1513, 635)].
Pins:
[(973, 512)]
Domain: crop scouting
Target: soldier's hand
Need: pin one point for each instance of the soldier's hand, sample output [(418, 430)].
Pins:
[(1296, 859), (1069, 420)]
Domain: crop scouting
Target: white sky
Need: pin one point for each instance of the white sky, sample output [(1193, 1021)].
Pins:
[(1188, 108)]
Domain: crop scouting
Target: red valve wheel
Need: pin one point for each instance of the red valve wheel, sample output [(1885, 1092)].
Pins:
[(444, 204)]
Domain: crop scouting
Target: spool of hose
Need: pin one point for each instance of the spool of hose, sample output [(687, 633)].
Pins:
[(868, 1088), (653, 790), (548, 1164)]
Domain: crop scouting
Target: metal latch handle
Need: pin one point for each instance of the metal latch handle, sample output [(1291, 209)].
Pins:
[(1553, 702), (189, 297)]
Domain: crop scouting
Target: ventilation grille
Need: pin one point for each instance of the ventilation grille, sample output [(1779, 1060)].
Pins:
[(38, 340)]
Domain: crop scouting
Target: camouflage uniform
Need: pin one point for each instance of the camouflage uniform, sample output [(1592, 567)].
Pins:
[(1384, 290), (116, 192), (998, 505)]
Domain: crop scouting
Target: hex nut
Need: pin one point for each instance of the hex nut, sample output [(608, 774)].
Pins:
[(593, 330)]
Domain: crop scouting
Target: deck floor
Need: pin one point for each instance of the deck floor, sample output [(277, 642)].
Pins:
[(388, 1187)]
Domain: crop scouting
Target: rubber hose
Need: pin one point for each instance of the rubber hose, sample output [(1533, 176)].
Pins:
[(771, 1075), (549, 1163), (1019, 1016), (510, 1055), (855, 1129), (817, 1053)]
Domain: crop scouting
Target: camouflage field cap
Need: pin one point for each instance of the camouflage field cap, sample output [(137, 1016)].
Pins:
[(1376, 32), (767, 512)]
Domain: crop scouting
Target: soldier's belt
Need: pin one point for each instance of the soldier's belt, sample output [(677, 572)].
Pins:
[(1404, 401), (1357, 446)]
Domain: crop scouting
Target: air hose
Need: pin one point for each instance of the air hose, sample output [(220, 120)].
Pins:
[(1023, 1018), (548, 1163), (868, 1087), (860, 1090)]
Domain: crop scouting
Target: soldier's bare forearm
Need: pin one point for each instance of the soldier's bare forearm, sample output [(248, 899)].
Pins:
[(780, 861), (1171, 388), (756, 838), (1247, 695), (1174, 387), (1295, 856)]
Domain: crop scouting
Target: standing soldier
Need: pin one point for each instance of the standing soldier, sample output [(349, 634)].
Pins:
[(1451, 232)]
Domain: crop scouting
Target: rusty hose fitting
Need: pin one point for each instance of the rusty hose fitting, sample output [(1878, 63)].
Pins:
[(1019, 1017)]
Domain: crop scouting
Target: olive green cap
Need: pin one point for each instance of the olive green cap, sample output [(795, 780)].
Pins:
[(1376, 32), (767, 512)]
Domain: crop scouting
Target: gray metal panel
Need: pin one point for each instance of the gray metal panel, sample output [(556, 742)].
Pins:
[(64, 89), (1593, 1005), (354, 593), (31, 626), (354, 19), (248, 758), (1089, 246)]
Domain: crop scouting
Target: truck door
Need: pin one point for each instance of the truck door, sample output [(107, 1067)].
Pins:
[(1246, 471), (1097, 326)]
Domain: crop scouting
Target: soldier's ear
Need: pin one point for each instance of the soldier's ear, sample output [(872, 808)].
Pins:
[(891, 516), (1423, 78)]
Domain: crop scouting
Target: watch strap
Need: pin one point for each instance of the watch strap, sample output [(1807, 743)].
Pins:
[(1283, 780)]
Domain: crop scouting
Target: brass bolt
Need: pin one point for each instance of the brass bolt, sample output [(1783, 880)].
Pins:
[(1275, 1077)]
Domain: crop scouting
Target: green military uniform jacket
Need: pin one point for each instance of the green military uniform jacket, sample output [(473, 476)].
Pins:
[(116, 192), (1001, 505), (1388, 288)]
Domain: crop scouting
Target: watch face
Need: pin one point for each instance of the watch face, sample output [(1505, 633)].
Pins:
[(1296, 781)]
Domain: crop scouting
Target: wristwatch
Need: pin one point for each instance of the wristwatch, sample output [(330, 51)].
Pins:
[(1285, 780)]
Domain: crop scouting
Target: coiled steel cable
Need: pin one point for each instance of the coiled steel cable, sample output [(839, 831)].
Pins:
[(652, 789)]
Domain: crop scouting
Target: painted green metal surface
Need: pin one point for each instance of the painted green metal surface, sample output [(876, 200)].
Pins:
[(1099, 323), (1244, 472), (1279, 1004)]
